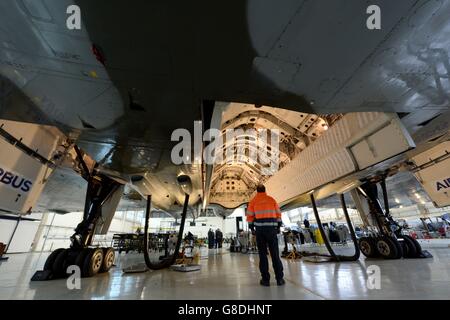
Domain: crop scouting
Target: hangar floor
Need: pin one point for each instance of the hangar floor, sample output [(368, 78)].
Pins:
[(235, 276)]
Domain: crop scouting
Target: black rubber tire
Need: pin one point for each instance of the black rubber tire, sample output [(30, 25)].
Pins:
[(72, 256), (399, 248), (59, 265), (92, 262), (79, 261), (387, 248), (416, 244), (51, 259), (108, 259), (405, 248), (411, 251), (367, 246)]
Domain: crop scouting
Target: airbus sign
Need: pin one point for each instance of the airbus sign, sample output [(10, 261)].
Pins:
[(15, 181), (443, 184)]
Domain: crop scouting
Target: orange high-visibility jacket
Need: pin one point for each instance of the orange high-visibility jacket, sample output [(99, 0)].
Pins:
[(263, 211)]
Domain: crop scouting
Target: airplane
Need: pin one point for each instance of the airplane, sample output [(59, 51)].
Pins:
[(353, 106)]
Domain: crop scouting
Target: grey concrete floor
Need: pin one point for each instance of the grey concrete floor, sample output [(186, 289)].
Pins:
[(227, 275)]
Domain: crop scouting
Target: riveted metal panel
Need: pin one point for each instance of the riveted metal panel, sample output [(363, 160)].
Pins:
[(330, 157)]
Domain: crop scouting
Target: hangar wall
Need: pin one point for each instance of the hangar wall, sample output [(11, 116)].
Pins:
[(24, 235), (6, 230), (55, 230), (50, 231)]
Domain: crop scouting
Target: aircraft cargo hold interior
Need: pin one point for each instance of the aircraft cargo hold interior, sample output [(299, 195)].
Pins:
[(298, 151)]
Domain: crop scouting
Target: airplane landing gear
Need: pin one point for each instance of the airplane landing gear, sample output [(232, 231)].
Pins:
[(387, 248), (411, 247), (108, 259), (90, 261), (367, 245), (388, 241)]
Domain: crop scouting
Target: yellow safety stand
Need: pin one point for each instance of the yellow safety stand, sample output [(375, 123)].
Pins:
[(192, 259), (318, 236), (187, 264), (185, 259), (293, 254)]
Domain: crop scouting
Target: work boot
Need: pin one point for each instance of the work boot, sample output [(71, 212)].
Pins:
[(281, 282), (264, 283)]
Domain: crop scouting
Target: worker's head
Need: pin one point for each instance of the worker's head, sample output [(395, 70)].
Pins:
[(260, 188)]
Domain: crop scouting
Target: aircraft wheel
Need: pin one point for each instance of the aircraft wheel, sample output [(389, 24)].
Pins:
[(399, 248), (79, 260), (108, 259), (72, 256), (387, 248), (368, 247), (60, 265), (411, 251), (405, 248), (93, 262), (51, 259), (415, 246)]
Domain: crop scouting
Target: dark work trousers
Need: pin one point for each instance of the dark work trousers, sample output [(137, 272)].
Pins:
[(266, 237)]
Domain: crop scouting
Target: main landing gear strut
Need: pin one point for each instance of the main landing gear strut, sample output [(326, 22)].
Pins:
[(388, 241), (89, 260)]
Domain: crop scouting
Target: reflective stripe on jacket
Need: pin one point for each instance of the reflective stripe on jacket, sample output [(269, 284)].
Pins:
[(263, 211)]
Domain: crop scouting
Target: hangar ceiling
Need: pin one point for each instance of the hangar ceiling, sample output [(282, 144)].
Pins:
[(235, 179)]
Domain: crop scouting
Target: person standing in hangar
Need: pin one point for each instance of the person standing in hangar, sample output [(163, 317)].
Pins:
[(264, 219), (211, 240), (219, 239)]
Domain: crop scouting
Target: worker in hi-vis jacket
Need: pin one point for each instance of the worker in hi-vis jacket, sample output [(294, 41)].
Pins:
[(264, 219)]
